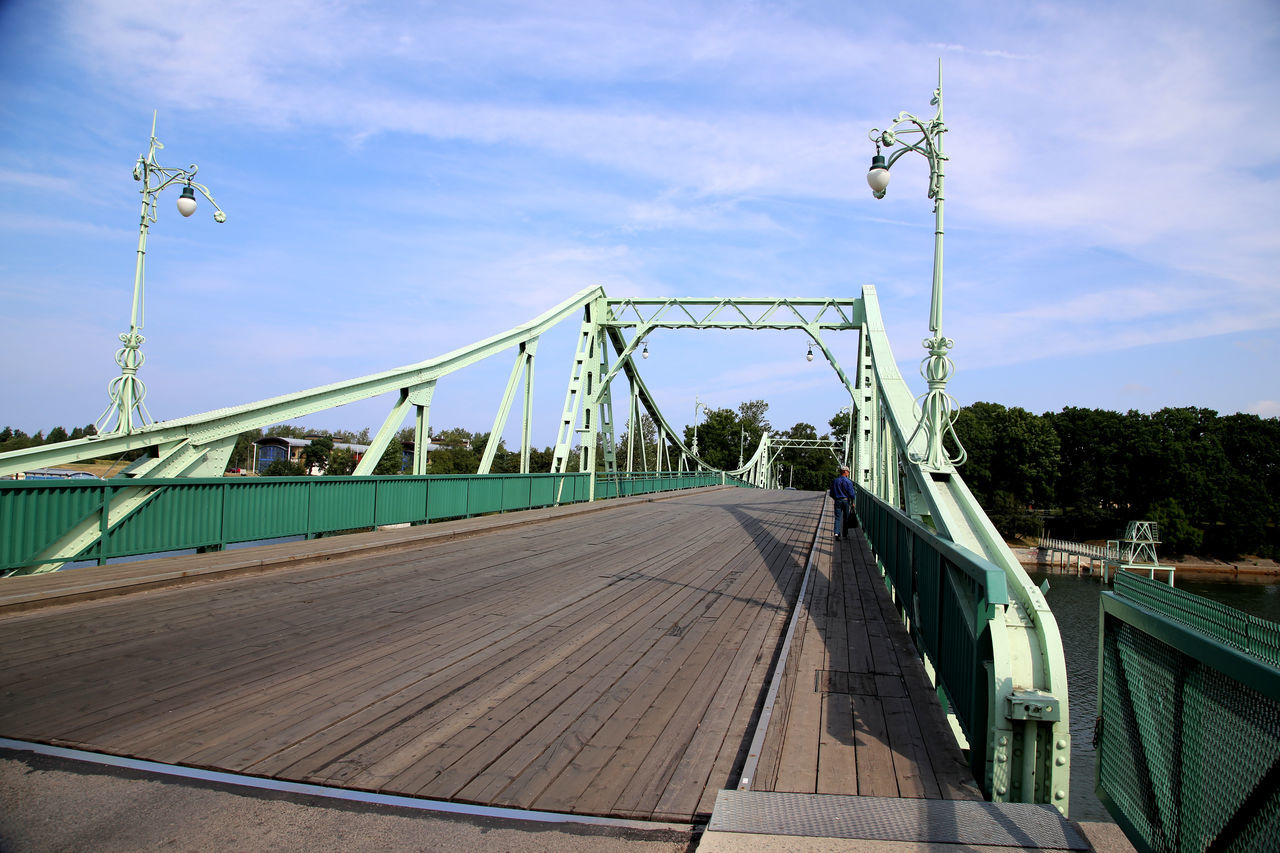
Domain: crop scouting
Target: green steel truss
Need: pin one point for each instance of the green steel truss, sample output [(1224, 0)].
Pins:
[(884, 450)]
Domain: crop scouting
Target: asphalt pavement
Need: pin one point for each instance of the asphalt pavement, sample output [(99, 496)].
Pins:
[(50, 803)]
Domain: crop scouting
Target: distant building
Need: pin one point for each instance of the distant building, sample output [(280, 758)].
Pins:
[(274, 447), (56, 474)]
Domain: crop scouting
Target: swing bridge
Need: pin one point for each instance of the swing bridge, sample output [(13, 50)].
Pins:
[(951, 589)]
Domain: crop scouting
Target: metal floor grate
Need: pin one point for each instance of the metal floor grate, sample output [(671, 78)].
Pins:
[(889, 819)]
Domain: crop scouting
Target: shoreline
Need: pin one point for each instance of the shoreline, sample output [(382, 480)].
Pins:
[(1202, 569)]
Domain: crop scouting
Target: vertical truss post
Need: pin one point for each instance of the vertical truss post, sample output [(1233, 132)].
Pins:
[(583, 392), (526, 427), (573, 395), (523, 363), (604, 405), (633, 423), (590, 395), (421, 399)]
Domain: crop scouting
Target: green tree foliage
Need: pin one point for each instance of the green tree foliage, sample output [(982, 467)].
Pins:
[(1212, 482), (718, 435), (341, 462), (1093, 466), (724, 435), (751, 415), (540, 460), (16, 439), (806, 469), (315, 456), (1177, 533), (1011, 516), (455, 454), (287, 431), (283, 468), (392, 461), (242, 453), (644, 451), (1010, 451)]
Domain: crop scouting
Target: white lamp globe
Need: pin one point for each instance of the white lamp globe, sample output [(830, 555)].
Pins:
[(878, 177), (187, 202)]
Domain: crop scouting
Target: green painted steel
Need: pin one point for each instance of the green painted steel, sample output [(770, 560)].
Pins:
[(884, 446), (1188, 723), (954, 601), (127, 391), (937, 408), (198, 445), (1023, 753), (212, 513)]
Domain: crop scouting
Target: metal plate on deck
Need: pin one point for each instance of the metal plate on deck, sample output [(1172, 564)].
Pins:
[(889, 819)]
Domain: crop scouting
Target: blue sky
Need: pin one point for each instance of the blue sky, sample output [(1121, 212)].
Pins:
[(401, 179)]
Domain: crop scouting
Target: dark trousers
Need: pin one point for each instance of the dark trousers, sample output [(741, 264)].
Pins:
[(843, 513)]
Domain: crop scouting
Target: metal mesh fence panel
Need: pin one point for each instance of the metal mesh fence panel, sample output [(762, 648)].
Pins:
[(1188, 736)]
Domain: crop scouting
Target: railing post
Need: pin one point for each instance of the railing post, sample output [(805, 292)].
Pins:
[(104, 524)]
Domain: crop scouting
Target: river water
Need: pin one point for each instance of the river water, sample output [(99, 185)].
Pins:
[(1074, 601)]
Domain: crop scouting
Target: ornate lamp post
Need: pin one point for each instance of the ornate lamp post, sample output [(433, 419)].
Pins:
[(937, 408), (697, 404), (127, 391), (848, 434)]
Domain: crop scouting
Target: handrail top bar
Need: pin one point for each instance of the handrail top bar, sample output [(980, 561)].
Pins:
[(183, 482), (991, 576), (1247, 668)]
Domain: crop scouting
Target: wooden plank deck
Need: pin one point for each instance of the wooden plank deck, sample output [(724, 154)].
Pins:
[(607, 663), (856, 713)]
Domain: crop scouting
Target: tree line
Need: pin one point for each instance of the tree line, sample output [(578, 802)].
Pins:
[(1211, 481), (16, 439)]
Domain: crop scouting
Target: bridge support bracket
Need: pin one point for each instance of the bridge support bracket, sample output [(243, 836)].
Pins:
[(1033, 705)]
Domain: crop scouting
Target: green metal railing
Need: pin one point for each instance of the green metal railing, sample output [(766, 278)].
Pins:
[(1188, 726), (211, 513), (624, 484), (950, 597)]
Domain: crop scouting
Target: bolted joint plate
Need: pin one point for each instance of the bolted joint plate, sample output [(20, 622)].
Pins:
[(1033, 705)]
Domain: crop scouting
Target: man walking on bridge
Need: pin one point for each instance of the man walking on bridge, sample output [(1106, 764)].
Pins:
[(842, 492)]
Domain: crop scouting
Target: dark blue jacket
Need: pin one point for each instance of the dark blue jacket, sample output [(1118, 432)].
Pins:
[(842, 487)]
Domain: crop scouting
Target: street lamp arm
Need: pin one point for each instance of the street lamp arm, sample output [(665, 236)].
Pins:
[(929, 145), (218, 215), (169, 177)]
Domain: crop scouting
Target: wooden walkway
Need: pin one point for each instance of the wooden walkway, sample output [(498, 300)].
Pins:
[(602, 663), (609, 662), (856, 713)]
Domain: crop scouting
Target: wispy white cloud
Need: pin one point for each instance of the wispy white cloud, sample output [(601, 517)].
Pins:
[(441, 172), (1265, 408), (37, 180)]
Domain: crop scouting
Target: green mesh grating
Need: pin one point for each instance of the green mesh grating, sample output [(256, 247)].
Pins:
[(1188, 757), (1236, 628)]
